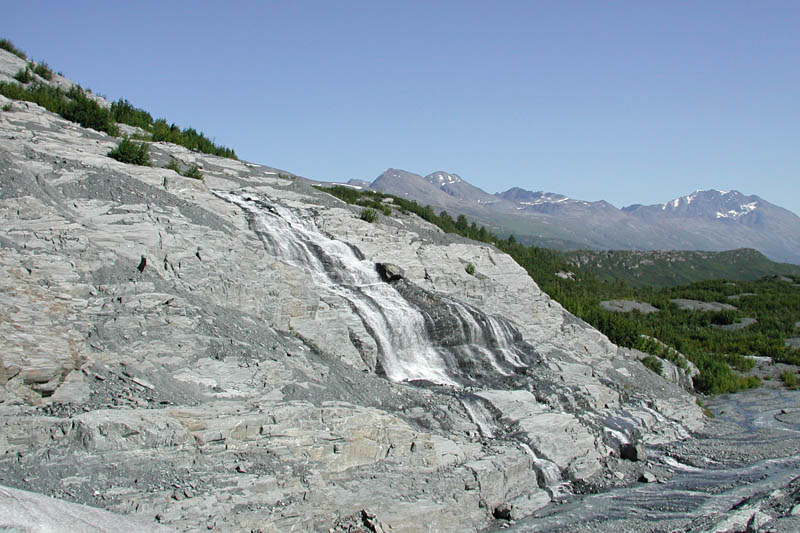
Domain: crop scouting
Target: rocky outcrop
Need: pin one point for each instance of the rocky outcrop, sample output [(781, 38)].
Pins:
[(628, 306), (162, 357)]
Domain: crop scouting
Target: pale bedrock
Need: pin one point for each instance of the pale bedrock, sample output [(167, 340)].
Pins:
[(157, 359)]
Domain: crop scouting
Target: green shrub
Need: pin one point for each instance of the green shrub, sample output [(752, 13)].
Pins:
[(77, 107), (189, 138), (24, 75), (7, 45), (470, 268), (653, 363), (88, 113), (789, 379), (51, 98), (193, 172), (74, 105), (124, 112), (131, 152), (43, 70), (7, 107), (368, 214)]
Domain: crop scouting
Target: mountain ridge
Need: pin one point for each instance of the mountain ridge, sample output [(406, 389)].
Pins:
[(710, 220)]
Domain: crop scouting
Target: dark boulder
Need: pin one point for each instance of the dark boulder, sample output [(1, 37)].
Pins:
[(389, 272), (633, 452)]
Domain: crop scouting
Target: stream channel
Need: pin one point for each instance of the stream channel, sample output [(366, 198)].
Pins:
[(742, 471)]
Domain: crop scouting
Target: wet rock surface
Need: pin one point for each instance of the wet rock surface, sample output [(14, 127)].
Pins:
[(163, 356), (740, 473)]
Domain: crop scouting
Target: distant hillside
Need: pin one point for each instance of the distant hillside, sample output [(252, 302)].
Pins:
[(704, 220), (672, 268)]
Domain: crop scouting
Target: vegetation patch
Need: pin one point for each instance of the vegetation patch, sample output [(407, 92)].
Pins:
[(789, 379), (7, 45), (470, 269), (653, 363), (193, 171), (131, 152), (24, 75), (74, 105), (658, 268), (43, 70), (368, 214)]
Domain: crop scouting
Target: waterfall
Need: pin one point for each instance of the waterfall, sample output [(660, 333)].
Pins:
[(480, 415), (400, 329), (548, 474)]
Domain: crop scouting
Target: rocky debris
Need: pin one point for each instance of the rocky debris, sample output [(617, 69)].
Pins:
[(647, 477), (747, 518), (502, 511), (157, 360), (389, 272), (697, 305), (628, 306), (360, 522), (633, 452)]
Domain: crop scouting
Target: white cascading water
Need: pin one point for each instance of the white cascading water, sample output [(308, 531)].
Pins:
[(480, 415), (477, 341), (398, 328)]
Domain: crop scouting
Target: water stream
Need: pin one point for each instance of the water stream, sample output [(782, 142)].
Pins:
[(691, 492), (401, 330)]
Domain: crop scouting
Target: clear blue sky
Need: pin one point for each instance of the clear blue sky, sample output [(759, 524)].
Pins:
[(632, 102)]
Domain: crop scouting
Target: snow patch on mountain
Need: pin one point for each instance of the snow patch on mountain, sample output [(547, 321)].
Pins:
[(734, 213), (444, 178)]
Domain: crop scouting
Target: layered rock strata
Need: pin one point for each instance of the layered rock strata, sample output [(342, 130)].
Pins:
[(159, 359)]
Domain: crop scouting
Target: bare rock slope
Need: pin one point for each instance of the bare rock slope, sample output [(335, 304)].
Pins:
[(168, 352)]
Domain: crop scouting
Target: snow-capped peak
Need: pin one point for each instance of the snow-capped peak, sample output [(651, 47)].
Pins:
[(444, 178), (714, 203)]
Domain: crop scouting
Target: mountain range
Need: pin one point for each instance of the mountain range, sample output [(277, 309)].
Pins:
[(709, 220)]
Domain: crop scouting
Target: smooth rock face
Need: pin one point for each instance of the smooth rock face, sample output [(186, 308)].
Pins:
[(628, 306), (162, 355), (27, 511)]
